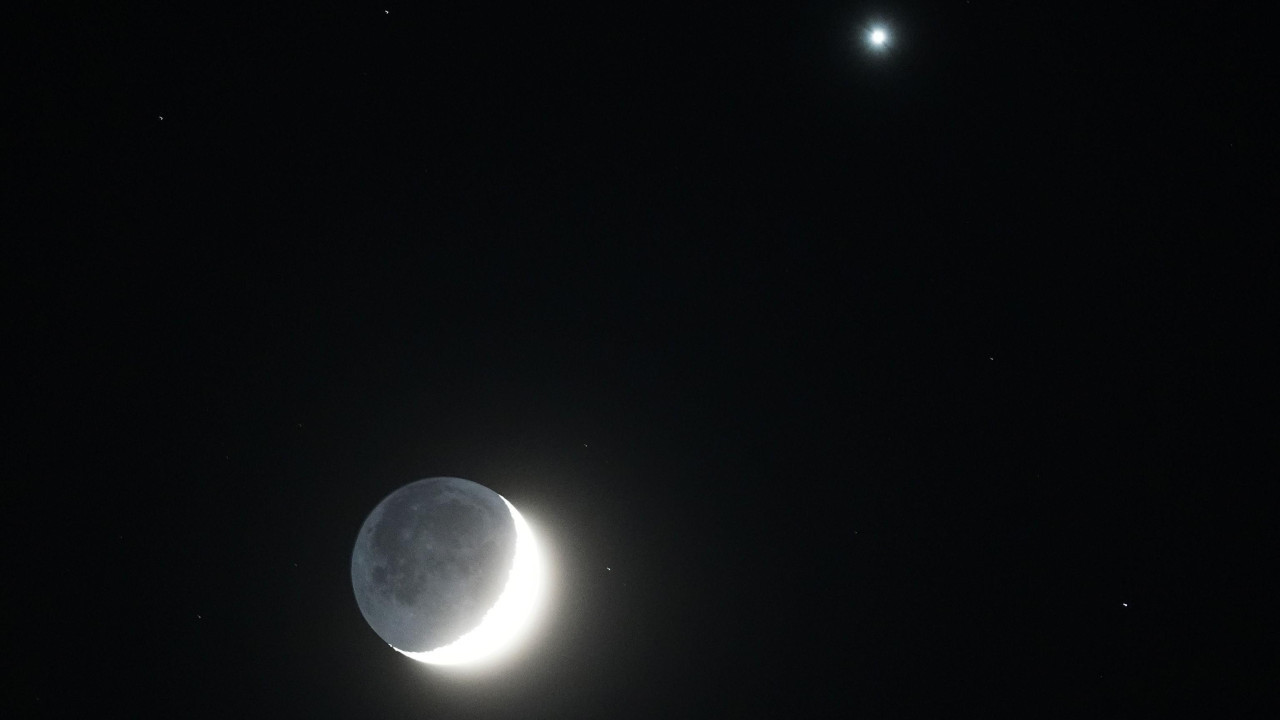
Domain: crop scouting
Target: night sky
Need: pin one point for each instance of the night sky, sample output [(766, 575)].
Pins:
[(922, 383)]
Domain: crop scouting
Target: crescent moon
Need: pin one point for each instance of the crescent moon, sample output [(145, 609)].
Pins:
[(509, 618)]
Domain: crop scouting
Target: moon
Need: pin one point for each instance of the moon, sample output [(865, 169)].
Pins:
[(447, 572)]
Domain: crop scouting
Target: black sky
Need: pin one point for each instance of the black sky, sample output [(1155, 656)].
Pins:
[(881, 383)]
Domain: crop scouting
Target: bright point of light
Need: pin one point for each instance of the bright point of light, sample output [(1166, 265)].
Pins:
[(509, 617), (876, 37)]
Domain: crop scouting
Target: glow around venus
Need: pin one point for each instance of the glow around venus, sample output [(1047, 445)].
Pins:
[(510, 617)]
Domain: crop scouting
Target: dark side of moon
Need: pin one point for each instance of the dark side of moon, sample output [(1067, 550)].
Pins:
[(430, 561)]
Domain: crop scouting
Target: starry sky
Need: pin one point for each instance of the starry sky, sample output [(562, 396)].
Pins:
[(887, 382)]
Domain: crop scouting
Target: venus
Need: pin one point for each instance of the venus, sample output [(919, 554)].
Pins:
[(446, 571), (878, 38)]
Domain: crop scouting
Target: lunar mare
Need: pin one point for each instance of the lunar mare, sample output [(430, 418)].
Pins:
[(446, 571)]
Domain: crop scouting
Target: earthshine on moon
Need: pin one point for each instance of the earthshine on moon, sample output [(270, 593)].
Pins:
[(447, 572)]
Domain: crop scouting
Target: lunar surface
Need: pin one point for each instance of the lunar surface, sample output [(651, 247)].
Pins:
[(445, 571)]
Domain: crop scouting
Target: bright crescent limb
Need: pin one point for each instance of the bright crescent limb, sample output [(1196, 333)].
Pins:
[(509, 617)]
